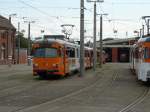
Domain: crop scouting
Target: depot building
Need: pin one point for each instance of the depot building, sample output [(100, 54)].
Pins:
[(117, 50)]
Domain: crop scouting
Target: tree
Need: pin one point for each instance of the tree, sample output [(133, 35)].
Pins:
[(23, 40)]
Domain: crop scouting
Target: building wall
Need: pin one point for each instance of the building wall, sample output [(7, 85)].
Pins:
[(114, 54), (117, 54), (4, 51)]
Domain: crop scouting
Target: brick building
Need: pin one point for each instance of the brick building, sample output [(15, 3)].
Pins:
[(7, 41)]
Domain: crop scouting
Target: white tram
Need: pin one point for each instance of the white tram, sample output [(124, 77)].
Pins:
[(140, 59)]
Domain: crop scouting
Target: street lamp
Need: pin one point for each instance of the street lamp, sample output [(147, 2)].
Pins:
[(101, 37), (29, 42), (94, 33)]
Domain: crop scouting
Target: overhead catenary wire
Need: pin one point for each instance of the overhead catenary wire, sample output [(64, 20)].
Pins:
[(128, 3), (43, 12), (37, 9), (46, 14)]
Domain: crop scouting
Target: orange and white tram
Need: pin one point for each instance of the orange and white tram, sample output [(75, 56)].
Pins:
[(58, 57), (140, 59)]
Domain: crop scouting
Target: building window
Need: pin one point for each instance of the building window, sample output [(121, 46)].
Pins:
[(3, 52)]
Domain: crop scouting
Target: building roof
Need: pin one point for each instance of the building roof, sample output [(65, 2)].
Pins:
[(5, 24), (119, 41)]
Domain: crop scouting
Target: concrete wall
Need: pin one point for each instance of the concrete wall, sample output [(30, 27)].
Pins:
[(22, 56)]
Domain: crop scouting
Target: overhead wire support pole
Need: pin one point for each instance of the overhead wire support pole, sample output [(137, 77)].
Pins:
[(29, 46), (140, 33), (94, 39), (143, 30), (82, 69), (148, 26), (18, 59), (29, 42), (101, 38), (94, 33)]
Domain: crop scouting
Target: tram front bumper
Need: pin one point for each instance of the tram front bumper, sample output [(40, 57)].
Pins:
[(48, 72)]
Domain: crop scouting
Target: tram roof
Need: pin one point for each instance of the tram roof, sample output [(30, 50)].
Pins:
[(63, 42), (145, 39), (148, 39), (42, 41)]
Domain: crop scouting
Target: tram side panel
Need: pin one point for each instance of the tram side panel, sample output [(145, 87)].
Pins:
[(140, 61)]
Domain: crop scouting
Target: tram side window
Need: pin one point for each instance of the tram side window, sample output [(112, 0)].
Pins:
[(71, 52), (147, 53)]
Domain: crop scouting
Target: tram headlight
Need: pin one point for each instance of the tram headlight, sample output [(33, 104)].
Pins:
[(55, 65), (35, 65)]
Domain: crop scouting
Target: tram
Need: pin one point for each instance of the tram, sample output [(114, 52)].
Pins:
[(140, 59), (55, 56)]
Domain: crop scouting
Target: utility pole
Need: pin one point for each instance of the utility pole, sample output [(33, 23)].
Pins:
[(81, 38), (148, 26), (18, 61), (94, 33), (29, 42), (101, 38), (143, 30), (94, 39), (29, 46), (140, 33)]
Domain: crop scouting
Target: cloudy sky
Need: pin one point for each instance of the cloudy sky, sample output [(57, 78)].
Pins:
[(124, 15)]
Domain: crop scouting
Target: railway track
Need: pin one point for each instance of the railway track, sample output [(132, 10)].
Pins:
[(136, 101), (96, 82), (101, 83), (60, 98)]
